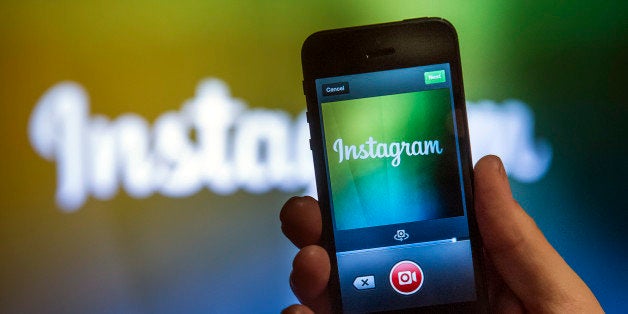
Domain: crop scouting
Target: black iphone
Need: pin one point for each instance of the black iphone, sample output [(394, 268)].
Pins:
[(393, 167)]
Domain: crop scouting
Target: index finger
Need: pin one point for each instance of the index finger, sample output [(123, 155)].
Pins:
[(301, 221)]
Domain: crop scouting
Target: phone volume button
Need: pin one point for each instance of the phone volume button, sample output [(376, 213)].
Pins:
[(310, 140)]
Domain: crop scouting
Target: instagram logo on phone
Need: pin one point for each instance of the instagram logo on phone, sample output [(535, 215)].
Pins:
[(406, 277)]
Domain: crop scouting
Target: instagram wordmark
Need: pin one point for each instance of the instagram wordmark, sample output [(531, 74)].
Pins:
[(372, 149)]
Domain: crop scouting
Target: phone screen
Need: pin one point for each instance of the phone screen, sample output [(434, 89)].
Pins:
[(396, 187)]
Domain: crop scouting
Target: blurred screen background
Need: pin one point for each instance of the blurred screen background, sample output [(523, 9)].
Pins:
[(218, 248)]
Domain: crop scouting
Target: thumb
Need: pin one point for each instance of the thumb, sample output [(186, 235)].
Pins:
[(525, 260)]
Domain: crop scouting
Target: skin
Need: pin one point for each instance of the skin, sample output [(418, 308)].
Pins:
[(524, 271)]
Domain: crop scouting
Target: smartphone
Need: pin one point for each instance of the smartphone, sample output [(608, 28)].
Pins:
[(389, 136)]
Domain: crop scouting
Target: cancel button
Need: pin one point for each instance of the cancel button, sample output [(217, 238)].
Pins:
[(335, 88)]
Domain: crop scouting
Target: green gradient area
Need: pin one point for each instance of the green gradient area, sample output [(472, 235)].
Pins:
[(371, 191)]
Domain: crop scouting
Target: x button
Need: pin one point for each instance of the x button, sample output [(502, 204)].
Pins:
[(364, 282)]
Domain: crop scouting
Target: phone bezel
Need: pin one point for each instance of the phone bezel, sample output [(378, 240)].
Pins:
[(380, 47)]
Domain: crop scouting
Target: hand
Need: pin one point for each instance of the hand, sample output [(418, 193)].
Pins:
[(524, 271)]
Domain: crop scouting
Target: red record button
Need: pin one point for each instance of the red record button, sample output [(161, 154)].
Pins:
[(406, 277)]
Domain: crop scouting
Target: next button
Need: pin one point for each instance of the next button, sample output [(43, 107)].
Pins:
[(434, 77)]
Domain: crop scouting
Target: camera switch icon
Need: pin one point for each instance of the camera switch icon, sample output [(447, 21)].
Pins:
[(401, 235)]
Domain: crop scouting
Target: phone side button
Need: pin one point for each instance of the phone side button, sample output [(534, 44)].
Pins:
[(310, 140), (307, 116)]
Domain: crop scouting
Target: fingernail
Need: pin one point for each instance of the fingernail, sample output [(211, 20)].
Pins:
[(501, 169), (500, 165)]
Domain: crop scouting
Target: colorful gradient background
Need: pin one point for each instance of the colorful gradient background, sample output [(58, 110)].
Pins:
[(226, 254), (372, 192)]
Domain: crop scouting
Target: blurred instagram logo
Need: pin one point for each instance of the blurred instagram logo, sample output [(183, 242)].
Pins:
[(99, 156)]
